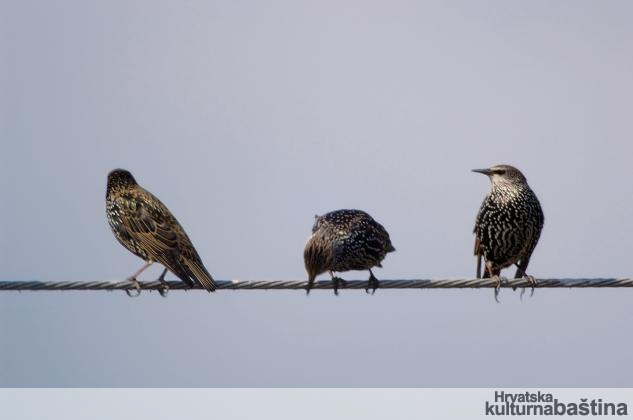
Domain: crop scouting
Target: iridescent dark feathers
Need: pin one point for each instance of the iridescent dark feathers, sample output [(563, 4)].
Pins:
[(508, 224), (345, 240), (144, 225)]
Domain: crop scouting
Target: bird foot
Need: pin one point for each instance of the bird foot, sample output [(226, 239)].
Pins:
[(373, 283), (337, 282), (163, 289), (498, 282), (532, 282), (137, 288)]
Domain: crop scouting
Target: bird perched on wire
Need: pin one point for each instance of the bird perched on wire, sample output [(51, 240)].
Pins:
[(146, 227), (508, 225), (344, 240)]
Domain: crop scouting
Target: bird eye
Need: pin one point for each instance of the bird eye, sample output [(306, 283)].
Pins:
[(500, 171)]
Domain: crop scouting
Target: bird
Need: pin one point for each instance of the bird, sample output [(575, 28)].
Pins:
[(344, 240), (508, 225), (146, 228)]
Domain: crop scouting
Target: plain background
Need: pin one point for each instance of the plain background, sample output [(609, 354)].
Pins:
[(247, 118)]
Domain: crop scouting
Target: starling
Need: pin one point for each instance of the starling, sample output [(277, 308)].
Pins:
[(508, 225), (344, 240), (144, 225)]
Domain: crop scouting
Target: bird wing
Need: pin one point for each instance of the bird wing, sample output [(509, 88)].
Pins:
[(150, 223), (479, 255), (535, 235), (479, 252), (149, 226), (339, 244)]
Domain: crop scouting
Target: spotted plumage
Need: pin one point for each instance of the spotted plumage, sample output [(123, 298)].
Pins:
[(344, 240), (509, 223), (144, 225)]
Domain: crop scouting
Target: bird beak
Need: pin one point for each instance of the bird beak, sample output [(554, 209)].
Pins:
[(483, 171)]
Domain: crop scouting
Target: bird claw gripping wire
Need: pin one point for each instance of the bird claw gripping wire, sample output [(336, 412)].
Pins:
[(163, 289), (373, 283), (137, 288), (532, 282), (498, 282), (337, 282)]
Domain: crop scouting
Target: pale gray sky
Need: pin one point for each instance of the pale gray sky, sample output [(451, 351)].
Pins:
[(246, 118)]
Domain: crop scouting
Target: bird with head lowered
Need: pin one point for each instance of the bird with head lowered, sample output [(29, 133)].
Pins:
[(344, 240)]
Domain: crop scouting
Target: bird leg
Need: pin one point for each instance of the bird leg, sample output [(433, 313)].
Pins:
[(133, 279), (337, 282), (373, 283), (137, 288), (163, 289)]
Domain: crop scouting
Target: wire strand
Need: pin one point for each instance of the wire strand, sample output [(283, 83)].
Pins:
[(301, 284)]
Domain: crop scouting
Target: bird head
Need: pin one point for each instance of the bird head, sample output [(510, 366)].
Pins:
[(120, 179), (317, 255), (503, 174)]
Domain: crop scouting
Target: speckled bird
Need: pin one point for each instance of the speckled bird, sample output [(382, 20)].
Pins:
[(146, 227), (344, 240), (508, 225)]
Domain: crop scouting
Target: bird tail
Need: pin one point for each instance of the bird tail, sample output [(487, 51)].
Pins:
[(200, 275)]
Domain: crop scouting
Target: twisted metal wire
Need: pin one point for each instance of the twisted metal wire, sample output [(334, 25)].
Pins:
[(301, 284)]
